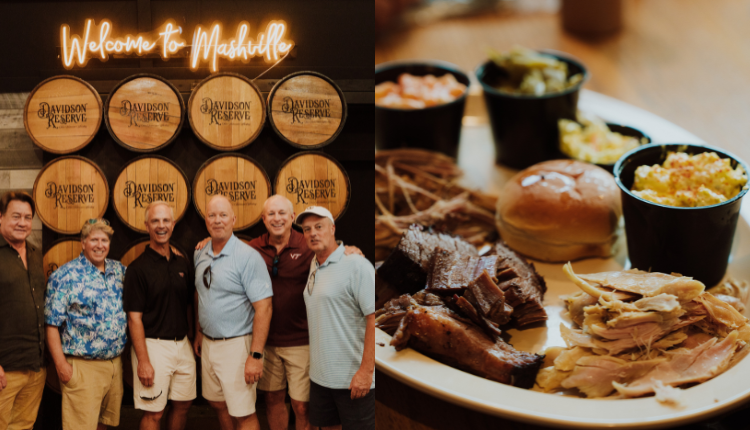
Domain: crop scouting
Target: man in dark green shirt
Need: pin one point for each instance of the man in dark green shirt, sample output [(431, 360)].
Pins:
[(22, 371)]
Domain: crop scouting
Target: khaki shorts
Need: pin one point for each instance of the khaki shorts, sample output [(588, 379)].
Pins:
[(174, 374), (93, 394), (19, 401), (287, 363), (223, 374)]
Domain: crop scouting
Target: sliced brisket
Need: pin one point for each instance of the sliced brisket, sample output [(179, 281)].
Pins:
[(407, 267), (434, 332), (524, 288)]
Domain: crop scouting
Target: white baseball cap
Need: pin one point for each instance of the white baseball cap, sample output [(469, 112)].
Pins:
[(316, 210)]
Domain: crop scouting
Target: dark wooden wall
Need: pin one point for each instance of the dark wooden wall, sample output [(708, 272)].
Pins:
[(332, 37)]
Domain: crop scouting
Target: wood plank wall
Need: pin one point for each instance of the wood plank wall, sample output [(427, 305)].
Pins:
[(20, 159)]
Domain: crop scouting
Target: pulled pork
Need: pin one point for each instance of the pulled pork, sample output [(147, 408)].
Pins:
[(642, 333)]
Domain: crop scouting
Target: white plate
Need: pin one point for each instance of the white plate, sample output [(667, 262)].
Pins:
[(699, 402)]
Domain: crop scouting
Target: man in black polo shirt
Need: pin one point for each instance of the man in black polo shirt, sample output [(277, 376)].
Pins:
[(22, 288), (157, 296)]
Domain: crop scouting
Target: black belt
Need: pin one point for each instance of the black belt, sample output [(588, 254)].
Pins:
[(225, 338), (176, 339)]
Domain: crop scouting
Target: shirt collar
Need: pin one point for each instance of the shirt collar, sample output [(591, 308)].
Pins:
[(155, 255), (4, 242), (227, 250), (335, 257), (296, 240), (109, 265)]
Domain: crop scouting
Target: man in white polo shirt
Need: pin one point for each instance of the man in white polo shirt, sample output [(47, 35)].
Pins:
[(340, 301)]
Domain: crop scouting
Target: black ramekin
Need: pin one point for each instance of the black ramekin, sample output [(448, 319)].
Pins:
[(437, 128), (625, 131), (692, 241), (524, 126)]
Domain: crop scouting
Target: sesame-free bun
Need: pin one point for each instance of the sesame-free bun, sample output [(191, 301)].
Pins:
[(560, 210)]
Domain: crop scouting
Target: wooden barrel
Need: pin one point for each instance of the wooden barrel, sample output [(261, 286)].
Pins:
[(146, 179), (238, 177), (61, 251), (314, 179), (144, 113), (62, 114), (307, 110), (226, 111), (68, 191)]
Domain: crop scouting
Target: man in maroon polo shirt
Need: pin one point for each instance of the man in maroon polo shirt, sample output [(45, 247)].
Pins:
[(287, 351)]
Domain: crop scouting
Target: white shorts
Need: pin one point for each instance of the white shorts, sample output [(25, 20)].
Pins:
[(223, 373), (287, 364), (174, 374)]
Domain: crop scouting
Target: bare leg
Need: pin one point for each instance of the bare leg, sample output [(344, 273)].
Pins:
[(249, 422), (278, 415), (302, 415), (150, 420), (225, 421), (178, 415)]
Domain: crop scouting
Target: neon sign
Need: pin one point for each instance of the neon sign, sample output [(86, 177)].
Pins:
[(207, 44)]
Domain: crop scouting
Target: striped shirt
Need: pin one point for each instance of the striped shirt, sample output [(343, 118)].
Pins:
[(339, 295)]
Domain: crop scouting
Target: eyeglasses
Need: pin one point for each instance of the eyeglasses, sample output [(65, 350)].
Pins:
[(149, 398), (311, 281), (207, 273), (95, 220), (275, 270)]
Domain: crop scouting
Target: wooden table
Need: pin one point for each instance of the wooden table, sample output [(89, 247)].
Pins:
[(688, 62)]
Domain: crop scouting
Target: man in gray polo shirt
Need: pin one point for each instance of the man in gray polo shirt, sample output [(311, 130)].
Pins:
[(233, 292), (340, 301)]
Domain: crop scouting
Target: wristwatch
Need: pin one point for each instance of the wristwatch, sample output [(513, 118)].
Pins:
[(256, 355)]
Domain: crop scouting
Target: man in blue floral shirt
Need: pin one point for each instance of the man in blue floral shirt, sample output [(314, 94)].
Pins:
[(84, 307)]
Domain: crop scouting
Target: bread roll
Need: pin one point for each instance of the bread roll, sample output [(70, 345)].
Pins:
[(560, 210)]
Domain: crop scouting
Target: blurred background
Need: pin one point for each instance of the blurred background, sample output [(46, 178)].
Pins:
[(685, 61)]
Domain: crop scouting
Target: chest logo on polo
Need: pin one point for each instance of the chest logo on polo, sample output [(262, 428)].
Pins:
[(143, 194), (311, 189), (294, 256)]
